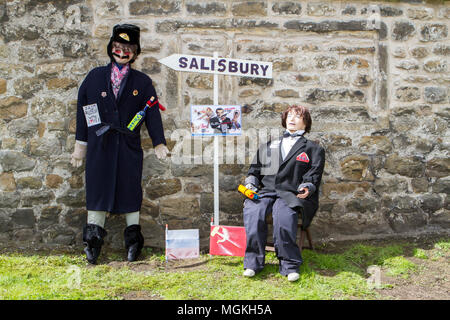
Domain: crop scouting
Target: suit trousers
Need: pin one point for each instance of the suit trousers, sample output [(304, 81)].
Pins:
[(285, 221)]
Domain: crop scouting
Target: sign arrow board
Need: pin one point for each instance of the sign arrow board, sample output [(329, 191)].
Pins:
[(232, 67)]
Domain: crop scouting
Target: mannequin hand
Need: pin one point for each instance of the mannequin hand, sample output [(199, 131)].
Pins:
[(304, 193), (161, 151), (78, 155), (76, 162)]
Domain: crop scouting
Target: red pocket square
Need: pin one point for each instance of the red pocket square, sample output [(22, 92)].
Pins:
[(303, 157)]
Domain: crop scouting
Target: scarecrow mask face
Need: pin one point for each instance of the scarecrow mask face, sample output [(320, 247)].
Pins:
[(123, 53), (294, 121)]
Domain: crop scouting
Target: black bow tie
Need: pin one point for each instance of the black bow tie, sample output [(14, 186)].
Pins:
[(293, 135)]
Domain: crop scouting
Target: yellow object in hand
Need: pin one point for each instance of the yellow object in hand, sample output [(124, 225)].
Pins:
[(248, 193)]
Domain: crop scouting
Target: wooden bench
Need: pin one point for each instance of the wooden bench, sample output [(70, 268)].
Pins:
[(303, 233)]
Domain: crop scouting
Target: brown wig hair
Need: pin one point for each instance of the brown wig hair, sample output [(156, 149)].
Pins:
[(302, 111)]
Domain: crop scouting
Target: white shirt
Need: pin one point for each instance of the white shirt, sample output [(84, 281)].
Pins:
[(288, 143)]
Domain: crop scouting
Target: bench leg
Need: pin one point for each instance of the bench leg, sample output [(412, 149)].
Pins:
[(308, 235), (302, 239), (270, 246)]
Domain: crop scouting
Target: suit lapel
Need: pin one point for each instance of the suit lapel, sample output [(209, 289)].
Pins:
[(301, 142)]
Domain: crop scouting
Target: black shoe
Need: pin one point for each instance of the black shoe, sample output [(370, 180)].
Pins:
[(134, 241), (92, 254), (93, 239), (133, 252)]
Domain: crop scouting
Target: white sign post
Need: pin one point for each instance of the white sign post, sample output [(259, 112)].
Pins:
[(216, 65)]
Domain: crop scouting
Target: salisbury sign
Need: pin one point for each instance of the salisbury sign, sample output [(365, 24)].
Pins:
[(234, 67)]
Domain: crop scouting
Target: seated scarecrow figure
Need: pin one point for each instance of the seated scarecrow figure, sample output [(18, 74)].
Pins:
[(108, 99), (286, 174)]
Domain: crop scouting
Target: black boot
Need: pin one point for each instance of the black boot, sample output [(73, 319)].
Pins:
[(93, 239), (134, 241)]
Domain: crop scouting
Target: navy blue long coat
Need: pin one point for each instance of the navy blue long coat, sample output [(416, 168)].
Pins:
[(114, 159)]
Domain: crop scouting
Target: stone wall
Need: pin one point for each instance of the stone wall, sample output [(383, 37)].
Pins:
[(378, 90)]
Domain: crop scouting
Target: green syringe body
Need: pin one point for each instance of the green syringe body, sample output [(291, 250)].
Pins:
[(137, 119)]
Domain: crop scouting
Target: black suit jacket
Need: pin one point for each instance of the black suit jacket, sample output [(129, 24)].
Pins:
[(284, 176)]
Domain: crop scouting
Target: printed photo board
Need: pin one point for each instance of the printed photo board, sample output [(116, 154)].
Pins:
[(211, 120)]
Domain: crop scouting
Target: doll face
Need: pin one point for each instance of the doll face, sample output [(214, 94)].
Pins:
[(294, 122), (122, 53)]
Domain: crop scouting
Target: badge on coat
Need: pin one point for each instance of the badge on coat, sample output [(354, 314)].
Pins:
[(135, 92), (91, 114), (303, 157)]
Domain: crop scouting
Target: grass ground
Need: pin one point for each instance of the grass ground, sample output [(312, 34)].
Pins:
[(404, 270)]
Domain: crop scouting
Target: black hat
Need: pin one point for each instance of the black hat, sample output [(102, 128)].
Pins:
[(125, 33)]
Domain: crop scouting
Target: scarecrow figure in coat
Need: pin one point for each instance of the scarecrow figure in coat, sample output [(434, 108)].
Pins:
[(286, 173), (108, 99)]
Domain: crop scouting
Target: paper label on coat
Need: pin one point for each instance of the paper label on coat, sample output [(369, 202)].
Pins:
[(91, 114)]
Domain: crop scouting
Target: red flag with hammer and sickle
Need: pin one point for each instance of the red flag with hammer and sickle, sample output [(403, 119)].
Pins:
[(227, 241)]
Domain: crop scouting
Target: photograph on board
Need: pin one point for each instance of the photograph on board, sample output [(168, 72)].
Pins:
[(211, 120)]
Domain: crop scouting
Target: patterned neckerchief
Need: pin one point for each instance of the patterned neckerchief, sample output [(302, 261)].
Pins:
[(117, 76)]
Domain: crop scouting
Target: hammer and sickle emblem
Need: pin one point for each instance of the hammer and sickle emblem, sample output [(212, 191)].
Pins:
[(225, 236), (124, 36)]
